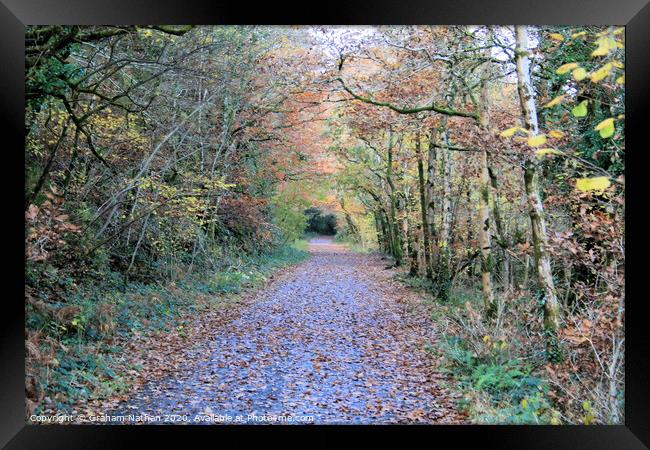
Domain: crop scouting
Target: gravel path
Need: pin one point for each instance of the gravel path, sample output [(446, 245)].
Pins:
[(336, 340)]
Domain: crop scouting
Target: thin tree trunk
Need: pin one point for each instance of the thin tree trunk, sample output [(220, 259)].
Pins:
[(504, 243), (396, 241), (380, 232), (535, 205), (423, 209), (430, 191), (409, 234), (444, 254)]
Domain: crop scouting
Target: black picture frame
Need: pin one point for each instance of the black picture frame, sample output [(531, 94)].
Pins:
[(634, 14)]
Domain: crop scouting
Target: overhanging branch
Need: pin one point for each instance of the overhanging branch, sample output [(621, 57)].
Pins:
[(414, 110)]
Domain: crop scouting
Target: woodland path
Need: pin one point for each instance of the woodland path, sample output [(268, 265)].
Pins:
[(334, 340)]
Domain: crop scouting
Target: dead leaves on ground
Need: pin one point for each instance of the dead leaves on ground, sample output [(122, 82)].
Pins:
[(336, 338)]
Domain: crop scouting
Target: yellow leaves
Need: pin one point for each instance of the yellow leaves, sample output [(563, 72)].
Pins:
[(606, 128), (556, 101), (107, 125), (536, 141), (555, 418), (606, 42), (207, 40), (604, 124), (486, 338), (144, 183), (565, 68), (579, 74), (593, 184), (556, 37), (603, 48), (145, 32), (167, 191), (589, 416), (601, 73), (547, 151), (605, 45), (511, 131)]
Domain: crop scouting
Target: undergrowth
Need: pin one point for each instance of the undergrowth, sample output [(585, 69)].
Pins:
[(501, 381)]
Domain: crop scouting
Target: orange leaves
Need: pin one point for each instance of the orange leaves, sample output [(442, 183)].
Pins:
[(576, 337), (46, 227), (525, 247), (31, 213), (416, 415)]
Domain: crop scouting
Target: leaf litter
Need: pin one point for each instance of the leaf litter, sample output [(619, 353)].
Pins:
[(336, 340)]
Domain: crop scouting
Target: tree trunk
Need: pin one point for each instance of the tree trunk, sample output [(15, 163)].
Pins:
[(396, 235), (423, 209), (504, 242), (380, 232), (535, 205), (444, 254), (354, 230), (431, 177), (409, 235), (485, 241)]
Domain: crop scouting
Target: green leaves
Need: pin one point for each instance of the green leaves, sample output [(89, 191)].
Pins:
[(580, 110), (609, 72)]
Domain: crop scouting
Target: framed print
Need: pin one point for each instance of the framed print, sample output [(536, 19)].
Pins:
[(404, 219)]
